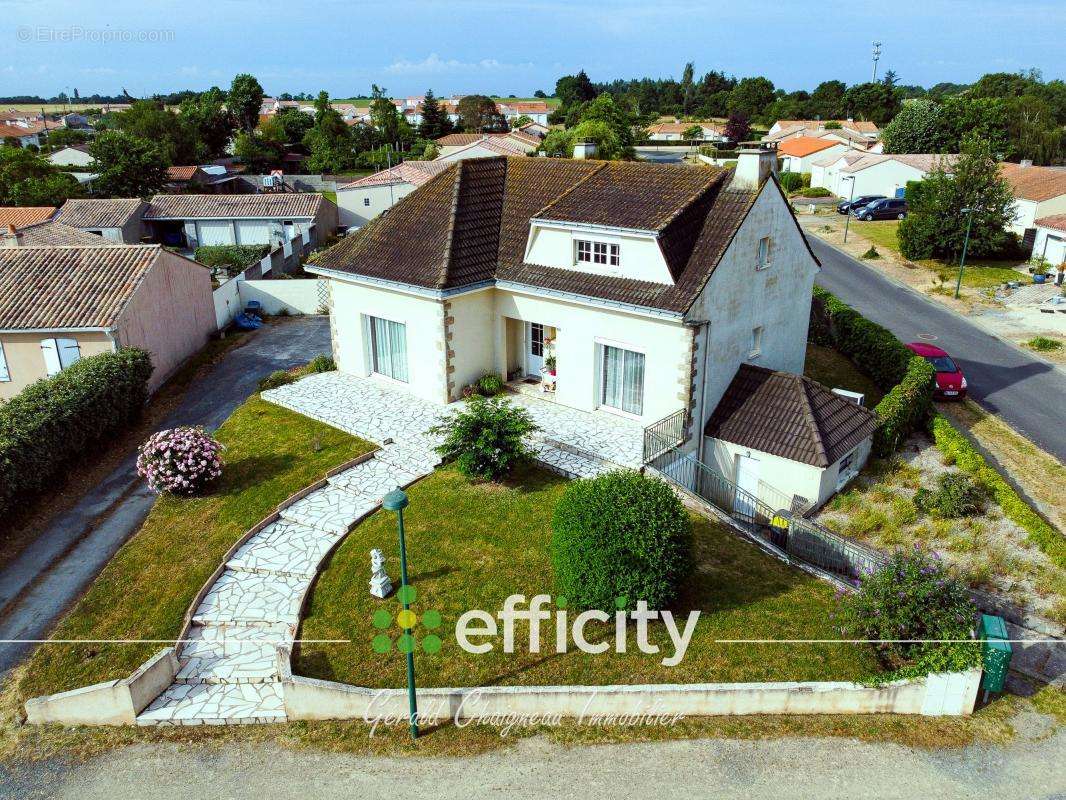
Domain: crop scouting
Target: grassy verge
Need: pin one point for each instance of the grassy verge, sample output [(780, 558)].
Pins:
[(472, 545), (830, 368), (36, 514), (331, 196), (144, 591)]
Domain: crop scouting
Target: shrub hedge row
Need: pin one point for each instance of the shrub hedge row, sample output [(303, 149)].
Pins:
[(956, 447), (907, 379), (232, 258), (55, 421)]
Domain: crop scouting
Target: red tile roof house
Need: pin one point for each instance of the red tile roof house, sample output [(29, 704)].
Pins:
[(362, 200), (515, 143), (797, 154), (1038, 192), (646, 286), (1049, 241), (59, 304)]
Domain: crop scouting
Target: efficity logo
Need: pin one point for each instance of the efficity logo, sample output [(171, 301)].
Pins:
[(538, 623)]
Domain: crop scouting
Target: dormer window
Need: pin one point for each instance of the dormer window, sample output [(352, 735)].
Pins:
[(597, 253)]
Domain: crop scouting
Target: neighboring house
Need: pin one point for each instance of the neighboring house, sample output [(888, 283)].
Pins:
[(26, 133), (843, 130), (118, 220), (362, 200), (825, 168), (194, 220), (59, 304), (51, 234), (646, 285), (880, 173), (19, 217), (797, 154), (536, 110), (514, 142), (1038, 192), (674, 131), (777, 429), (207, 179), (1049, 240), (487, 147), (76, 155), (534, 129)]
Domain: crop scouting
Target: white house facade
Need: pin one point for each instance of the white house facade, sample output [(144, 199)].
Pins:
[(362, 200), (1038, 192), (882, 174), (1049, 243)]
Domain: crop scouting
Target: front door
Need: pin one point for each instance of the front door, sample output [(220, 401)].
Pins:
[(534, 349), (748, 486)]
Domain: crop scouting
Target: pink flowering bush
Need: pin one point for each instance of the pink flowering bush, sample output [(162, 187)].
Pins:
[(180, 460)]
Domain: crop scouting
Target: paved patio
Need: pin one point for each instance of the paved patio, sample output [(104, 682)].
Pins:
[(229, 671)]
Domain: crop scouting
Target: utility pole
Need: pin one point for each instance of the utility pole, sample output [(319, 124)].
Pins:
[(965, 244), (877, 57)]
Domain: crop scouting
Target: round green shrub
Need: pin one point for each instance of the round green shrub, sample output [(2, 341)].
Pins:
[(321, 364), (957, 495), (490, 384), (486, 439), (620, 535), (815, 191)]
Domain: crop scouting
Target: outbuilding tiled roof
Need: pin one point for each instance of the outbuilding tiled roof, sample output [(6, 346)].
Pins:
[(56, 234), (789, 416), (100, 213), (414, 172), (21, 216), (70, 287), (1034, 183), (459, 139), (804, 146), (181, 173), (471, 223), (234, 206), (1055, 222)]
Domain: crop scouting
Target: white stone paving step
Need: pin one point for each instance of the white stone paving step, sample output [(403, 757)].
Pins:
[(232, 653), (284, 547), (331, 509), (216, 704), (252, 598)]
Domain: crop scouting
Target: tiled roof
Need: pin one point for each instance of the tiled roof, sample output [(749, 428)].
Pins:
[(471, 223), (804, 146), (181, 173), (1056, 222), (18, 130), (234, 206), (21, 216), (533, 107), (69, 287), (522, 136), (100, 213), (56, 234), (789, 416), (459, 139), (414, 172), (1035, 183), (857, 125), (920, 161)]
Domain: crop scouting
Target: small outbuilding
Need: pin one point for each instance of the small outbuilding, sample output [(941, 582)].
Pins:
[(786, 439)]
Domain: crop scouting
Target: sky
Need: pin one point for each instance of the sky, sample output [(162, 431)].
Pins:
[(504, 47)]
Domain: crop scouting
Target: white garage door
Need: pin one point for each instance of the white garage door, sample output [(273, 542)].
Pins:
[(210, 233), (253, 232), (1055, 250)]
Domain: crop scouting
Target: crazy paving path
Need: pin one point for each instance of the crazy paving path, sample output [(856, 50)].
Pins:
[(229, 662)]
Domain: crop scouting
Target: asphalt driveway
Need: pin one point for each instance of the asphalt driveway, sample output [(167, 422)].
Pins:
[(39, 585), (1025, 391)]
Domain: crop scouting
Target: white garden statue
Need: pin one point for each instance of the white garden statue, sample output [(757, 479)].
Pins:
[(380, 585)]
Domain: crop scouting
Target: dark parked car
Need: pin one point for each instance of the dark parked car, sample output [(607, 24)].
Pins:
[(889, 208), (850, 205)]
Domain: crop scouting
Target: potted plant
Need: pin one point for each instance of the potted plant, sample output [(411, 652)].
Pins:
[(549, 365)]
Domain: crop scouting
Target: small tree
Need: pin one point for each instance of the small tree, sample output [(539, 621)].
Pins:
[(127, 166), (620, 535), (936, 223), (244, 101), (912, 605), (737, 127), (692, 132), (487, 438), (435, 122)]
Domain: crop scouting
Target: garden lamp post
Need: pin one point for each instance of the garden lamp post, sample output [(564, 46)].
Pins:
[(396, 500), (851, 199), (965, 242)]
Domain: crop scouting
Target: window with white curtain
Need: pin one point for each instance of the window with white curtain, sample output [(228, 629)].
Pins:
[(388, 348), (623, 380), (59, 354)]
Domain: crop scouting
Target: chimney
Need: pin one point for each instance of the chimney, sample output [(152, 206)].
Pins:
[(585, 150), (754, 165), (12, 238), (1026, 162)]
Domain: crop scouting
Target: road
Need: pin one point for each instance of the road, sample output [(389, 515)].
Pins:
[(46, 577), (663, 155), (811, 769), (1025, 391)]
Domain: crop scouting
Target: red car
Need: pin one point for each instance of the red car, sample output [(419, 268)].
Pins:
[(950, 382)]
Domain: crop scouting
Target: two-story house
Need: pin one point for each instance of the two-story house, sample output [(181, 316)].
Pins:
[(641, 288)]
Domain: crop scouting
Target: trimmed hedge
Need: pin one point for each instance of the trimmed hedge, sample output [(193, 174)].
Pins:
[(907, 379), (955, 446), (56, 421), (232, 258)]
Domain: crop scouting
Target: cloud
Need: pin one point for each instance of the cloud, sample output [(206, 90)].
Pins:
[(434, 64)]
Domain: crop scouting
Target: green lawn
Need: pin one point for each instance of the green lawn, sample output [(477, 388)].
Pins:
[(144, 591), (331, 196), (980, 273), (830, 368), (470, 546)]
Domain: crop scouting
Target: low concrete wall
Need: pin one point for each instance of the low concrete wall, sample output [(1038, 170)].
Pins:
[(296, 296), (229, 297), (111, 703), (936, 695)]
